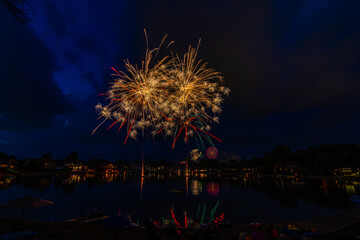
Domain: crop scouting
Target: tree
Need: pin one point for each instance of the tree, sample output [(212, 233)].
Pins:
[(3, 157), (33, 164), (47, 156), (97, 164), (323, 163), (122, 164), (161, 162), (73, 157), (280, 153), (47, 161), (150, 162), (233, 164), (19, 9)]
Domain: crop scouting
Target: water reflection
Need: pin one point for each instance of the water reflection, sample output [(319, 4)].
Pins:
[(213, 189), (288, 192), (325, 186), (350, 189), (141, 187), (205, 213), (5, 183), (196, 187)]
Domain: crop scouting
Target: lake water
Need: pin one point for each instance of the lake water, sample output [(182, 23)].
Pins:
[(241, 200)]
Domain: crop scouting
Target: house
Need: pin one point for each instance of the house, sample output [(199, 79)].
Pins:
[(135, 165), (10, 163), (48, 163), (39, 164), (287, 168), (108, 167), (248, 172), (345, 171), (76, 167)]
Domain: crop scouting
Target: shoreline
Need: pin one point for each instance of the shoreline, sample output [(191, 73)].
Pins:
[(327, 227), (55, 173)]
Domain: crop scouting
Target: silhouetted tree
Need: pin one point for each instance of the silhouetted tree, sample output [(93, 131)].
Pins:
[(121, 164), (322, 163), (19, 9), (3, 157), (170, 164), (280, 153), (96, 164), (233, 164), (150, 162), (73, 157), (47, 161), (33, 164), (47, 156), (162, 162)]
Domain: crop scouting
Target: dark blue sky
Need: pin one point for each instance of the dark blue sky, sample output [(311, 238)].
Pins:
[(293, 68)]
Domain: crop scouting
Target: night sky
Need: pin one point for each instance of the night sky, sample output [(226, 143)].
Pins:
[(293, 68)]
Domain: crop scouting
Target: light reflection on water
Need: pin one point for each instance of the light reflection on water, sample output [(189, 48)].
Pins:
[(196, 187), (243, 200)]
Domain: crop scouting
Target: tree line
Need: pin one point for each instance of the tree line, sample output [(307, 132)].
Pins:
[(313, 160)]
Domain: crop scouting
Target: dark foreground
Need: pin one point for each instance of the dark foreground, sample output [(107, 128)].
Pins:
[(344, 227)]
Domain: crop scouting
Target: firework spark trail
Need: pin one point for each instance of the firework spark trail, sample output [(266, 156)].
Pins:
[(196, 94), (213, 210), (172, 96), (135, 95), (198, 211), (174, 219), (203, 214)]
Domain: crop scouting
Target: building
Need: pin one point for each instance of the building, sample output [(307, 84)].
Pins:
[(76, 167), (345, 171), (287, 168), (10, 163)]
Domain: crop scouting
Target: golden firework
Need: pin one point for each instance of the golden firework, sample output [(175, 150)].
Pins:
[(195, 94), (170, 97), (135, 95)]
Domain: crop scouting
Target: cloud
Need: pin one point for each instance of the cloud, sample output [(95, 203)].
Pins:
[(28, 95), (86, 38)]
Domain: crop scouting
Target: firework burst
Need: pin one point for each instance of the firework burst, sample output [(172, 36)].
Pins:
[(136, 96), (178, 96), (195, 97)]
